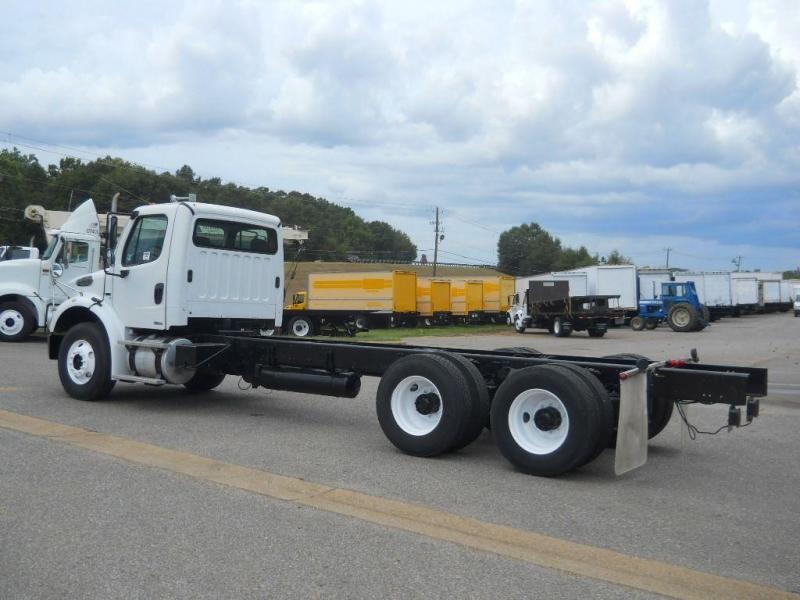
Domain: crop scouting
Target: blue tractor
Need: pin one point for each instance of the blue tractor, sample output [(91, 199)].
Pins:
[(678, 305)]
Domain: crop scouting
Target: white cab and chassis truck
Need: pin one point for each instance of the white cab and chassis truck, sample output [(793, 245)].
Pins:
[(193, 288)]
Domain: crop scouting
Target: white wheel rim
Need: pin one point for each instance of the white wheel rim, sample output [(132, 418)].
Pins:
[(557, 326), (681, 317), (301, 328), (522, 421), (11, 322), (80, 362), (406, 409)]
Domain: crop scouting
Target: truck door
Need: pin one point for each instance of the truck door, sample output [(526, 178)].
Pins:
[(140, 292)]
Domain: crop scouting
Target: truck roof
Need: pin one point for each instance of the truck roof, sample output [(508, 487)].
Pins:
[(212, 211)]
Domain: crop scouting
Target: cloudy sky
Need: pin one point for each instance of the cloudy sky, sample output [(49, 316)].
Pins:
[(620, 124)]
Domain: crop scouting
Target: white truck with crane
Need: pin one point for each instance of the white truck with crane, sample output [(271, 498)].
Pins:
[(193, 290)]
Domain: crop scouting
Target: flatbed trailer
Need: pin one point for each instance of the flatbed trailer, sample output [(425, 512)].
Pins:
[(155, 321)]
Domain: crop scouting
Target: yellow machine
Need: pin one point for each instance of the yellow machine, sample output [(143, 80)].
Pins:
[(433, 299)]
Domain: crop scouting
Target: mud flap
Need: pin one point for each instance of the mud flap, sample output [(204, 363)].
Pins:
[(631, 451)]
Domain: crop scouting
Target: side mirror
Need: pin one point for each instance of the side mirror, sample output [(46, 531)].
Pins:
[(57, 270)]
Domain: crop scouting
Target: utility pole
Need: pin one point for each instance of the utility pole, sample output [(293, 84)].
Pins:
[(668, 251), (436, 241), (738, 262)]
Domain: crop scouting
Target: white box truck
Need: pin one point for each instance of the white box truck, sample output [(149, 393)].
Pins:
[(650, 281), (745, 293)]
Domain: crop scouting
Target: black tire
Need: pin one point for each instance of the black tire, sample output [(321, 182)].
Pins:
[(607, 414), (638, 323), (204, 381), (561, 328), (17, 321), (479, 401), (658, 418), (706, 313), (361, 323), (596, 333), (84, 343), (682, 317), (651, 324), (519, 326), (302, 327), (583, 422), (519, 350), (453, 388)]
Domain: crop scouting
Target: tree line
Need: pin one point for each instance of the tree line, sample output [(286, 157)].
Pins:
[(335, 232), (528, 249)]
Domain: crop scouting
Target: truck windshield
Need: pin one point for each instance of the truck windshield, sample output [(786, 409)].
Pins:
[(50, 248)]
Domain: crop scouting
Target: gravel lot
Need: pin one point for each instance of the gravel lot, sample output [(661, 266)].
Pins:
[(75, 523)]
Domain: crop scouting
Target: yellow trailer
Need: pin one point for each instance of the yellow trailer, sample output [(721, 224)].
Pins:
[(467, 298), (497, 292), (433, 298), (351, 301)]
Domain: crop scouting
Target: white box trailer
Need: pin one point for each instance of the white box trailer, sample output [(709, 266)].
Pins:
[(745, 292), (600, 280), (650, 281), (713, 288)]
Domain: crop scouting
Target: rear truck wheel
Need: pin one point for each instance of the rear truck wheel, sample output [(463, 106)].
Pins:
[(16, 322), (301, 327), (561, 328), (661, 409), (421, 404), (545, 420), (362, 323), (638, 323), (607, 414), (706, 313), (84, 363), (651, 324), (204, 381), (596, 333), (682, 317), (479, 399)]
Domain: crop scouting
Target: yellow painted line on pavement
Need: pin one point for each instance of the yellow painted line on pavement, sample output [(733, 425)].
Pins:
[(541, 550), (8, 389)]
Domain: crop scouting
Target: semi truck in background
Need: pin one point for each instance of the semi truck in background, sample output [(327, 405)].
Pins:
[(27, 290), (796, 299), (348, 302)]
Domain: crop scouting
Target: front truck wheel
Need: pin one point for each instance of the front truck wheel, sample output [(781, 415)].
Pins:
[(204, 381), (84, 363), (301, 327), (16, 322), (638, 323), (423, 404), (546, 420)]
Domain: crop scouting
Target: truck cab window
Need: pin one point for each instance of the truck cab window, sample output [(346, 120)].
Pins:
[(146, 240), (230, 235), (51, 247)]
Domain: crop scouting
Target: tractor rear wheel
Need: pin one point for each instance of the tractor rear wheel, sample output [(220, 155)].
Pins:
[(682, 317)]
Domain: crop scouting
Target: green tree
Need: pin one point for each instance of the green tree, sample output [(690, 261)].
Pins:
[(617, 258), (527, 249)]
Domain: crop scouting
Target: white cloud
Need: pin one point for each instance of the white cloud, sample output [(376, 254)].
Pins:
[(617, 119)]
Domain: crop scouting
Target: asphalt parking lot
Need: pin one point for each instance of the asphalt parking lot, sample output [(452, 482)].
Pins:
[(75, 522)]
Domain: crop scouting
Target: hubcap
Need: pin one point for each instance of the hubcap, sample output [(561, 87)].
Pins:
[(681, 317), (80, 362), (301, 328), (538, 421), (416, 405), (11, 322)]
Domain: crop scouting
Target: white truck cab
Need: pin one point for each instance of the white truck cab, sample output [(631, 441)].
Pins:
[(796, 300), (179, 269), (27, 290)]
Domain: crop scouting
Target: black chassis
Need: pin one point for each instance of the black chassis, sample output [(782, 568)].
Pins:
[(249, 356)]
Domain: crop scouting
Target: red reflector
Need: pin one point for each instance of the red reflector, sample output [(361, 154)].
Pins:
[(677, 363)]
